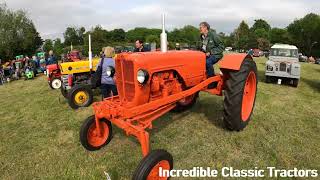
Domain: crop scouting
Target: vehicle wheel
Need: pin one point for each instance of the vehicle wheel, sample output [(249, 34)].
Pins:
[(149, 166), (55, 83), (240, 94), (186, 103), (64, 92), (268, 79), (295, 82), (80, 96), (89, 137)]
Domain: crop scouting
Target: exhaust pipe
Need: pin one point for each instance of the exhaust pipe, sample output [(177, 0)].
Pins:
[(163, 36), (90, 53)]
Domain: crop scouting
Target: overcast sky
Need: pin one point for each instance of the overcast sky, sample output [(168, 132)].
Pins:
[(51, 17)]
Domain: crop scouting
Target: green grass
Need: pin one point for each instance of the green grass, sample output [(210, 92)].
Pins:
[(40, 134)]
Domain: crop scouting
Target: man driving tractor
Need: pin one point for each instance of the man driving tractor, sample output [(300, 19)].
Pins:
[(213, 47)]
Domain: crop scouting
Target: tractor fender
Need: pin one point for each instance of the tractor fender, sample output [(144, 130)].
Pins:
[(233, 61)]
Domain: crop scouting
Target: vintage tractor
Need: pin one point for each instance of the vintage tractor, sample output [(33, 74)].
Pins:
[(151, 84), (78, 80), (77, 84), (42, 62), (54, 72)]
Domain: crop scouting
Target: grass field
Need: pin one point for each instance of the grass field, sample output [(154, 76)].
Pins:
[(39, 133)]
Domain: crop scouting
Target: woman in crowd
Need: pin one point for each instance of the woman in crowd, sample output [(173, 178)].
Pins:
[(108, 87)]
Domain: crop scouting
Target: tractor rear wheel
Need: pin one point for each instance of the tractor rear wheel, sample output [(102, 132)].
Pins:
[(55, 83), (186, 103), (80, 96), (89, 134), (240, 94), (149, 166)]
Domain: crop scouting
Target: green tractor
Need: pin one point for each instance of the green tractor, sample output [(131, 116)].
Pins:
[(28, 74), (42, 62)]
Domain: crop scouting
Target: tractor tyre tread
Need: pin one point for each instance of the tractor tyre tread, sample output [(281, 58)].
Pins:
[(233, 95), (149, 161)]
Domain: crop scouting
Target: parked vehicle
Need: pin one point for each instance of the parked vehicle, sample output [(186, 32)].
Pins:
[(78, 80), (151, 84), (302, 58), (283, 64), (29, 73), (317, 61), (54, 72), (42, 62)]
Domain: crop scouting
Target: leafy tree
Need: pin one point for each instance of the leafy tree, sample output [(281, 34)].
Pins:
[(261, 33), (305, 34), (242, 36), (278, 35), (58, 47), (48, 45), (141, 33), (228, 40), (260, 24), (118, 35), (263, 44), (81, 32), (99, 39), (74, 36), (18, 34), (188, 34), (153, 38)]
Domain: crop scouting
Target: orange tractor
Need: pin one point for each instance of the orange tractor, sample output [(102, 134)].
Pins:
[(151, 84)]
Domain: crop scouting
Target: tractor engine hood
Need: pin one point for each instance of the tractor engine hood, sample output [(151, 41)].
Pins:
[(78, 67), (188, 65)]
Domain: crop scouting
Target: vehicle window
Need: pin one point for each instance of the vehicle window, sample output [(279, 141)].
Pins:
[(284, 52)]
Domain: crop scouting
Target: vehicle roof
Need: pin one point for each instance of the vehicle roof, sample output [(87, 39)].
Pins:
[(283, 46)]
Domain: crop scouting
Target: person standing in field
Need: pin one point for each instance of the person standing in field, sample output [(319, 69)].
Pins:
[(51, 58), (108, 87)]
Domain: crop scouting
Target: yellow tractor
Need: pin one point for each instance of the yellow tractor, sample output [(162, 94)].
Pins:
[(78, 80)]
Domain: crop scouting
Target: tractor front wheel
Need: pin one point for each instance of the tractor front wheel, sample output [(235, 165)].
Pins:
[(55, 83), (90, 137), (80, 96), (240, 94), (149, 167)]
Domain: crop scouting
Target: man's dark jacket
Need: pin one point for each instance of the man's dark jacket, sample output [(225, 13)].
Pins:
[(215, 45), (143, 49)]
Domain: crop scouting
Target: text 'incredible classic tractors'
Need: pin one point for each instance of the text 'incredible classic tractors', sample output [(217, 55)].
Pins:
[(151, 84)]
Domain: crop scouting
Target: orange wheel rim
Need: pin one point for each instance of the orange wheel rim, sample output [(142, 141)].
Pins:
[(154, 173), (249, 95), (94, 138)]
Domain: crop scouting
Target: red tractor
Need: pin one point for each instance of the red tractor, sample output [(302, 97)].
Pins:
[(151, 84), (54, 73)]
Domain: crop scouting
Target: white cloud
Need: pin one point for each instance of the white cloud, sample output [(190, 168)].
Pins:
[(52, 17)]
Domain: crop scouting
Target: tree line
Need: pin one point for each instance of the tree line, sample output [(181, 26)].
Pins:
[(18, 35)]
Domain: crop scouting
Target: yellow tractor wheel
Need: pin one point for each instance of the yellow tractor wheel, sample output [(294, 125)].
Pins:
[(80, 96)]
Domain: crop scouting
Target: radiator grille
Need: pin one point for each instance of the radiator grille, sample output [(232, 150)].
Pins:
[(283, 66), (125, 82)]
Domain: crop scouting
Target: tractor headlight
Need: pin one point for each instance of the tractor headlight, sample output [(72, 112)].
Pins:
[(110, 71), (142, 76)]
